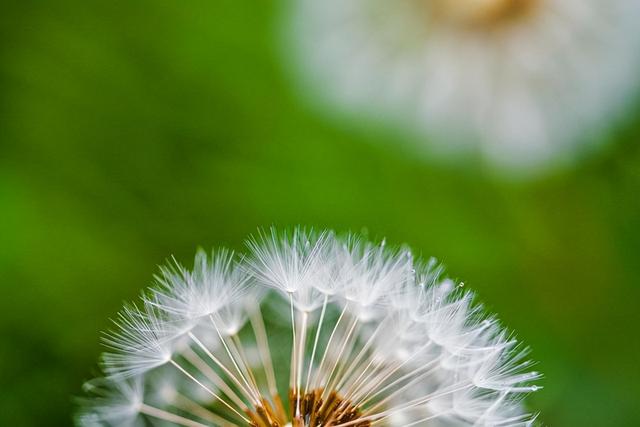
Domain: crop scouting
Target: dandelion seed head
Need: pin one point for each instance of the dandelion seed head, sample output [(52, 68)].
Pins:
[(363, 334)]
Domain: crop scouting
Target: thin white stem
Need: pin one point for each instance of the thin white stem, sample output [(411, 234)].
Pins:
[(207, 389), (292, 379), (354, 387), (414, 376), (373, 381), (256, 394), (356, 361), (392, 369), (316, 377), (181, 401), (242, 356), (222, 366), (342, 347), (315, 343), (412, 404), (168, 416), (300, 358), (208, 371), (492, 408), (257, 323), (349, 344), (431, 417)]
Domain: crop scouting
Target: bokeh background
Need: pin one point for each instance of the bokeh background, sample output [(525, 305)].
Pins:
[(132, 131)]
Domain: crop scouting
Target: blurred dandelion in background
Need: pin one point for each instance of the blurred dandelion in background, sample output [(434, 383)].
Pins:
[(525, 85), (309, 329)]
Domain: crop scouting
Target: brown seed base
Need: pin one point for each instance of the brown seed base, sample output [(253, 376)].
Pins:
[(310, 410)]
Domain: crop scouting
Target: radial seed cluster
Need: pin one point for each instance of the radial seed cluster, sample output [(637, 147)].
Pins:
[(308, 329)]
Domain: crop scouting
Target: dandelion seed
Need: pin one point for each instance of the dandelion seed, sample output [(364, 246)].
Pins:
[(526, 84), (309, 329)]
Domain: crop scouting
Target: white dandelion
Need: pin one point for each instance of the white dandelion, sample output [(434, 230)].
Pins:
[(309, 329), (523, 84)]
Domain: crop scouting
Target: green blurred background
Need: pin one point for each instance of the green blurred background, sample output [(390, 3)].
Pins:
[(130, 131)]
